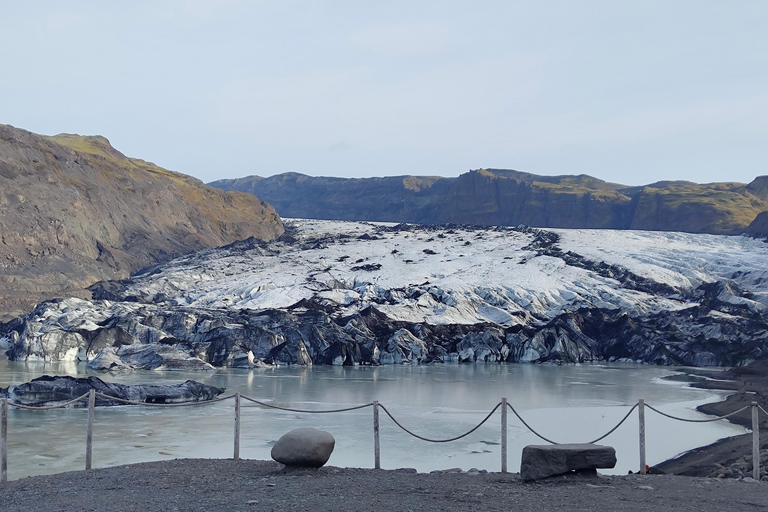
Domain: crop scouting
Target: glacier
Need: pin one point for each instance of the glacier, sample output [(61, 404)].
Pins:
[(335, 292)]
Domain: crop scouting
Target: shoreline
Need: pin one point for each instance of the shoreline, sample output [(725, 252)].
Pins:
[(728, 457), (246, 485)]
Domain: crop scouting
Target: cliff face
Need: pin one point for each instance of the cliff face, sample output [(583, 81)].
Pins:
[(505, 197), (378, 199), (73, 211), (490, 197), (759, 226)]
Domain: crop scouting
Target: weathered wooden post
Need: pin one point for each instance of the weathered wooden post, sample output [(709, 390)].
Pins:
[(641, 417), (89, 431), (4, 440), (755, 443), (503, 435), (237, 427), (376, 446)]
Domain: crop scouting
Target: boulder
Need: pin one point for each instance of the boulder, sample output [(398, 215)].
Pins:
[(307, 447), (542, 461)]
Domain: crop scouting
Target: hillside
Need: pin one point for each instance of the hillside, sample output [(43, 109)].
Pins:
[(74, 210), (506, 197)]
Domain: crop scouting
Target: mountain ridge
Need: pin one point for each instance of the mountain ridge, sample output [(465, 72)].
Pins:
[(510, 197)]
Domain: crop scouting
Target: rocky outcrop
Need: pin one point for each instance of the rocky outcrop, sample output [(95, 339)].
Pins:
[(304, 447), (47, 390), (543, 461), (505, 197), (759, 226), (74, 211)]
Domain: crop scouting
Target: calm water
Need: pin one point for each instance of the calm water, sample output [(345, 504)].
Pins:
[(566, 404)]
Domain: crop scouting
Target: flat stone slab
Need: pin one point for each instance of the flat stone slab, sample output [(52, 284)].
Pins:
[(305, 447), (542, 461)]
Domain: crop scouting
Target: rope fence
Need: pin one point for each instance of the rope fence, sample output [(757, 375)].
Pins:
[(640, 405)]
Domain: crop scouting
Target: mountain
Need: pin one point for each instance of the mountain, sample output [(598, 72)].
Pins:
[(345, 293), (510, 198), (759, 226), (74, 211)]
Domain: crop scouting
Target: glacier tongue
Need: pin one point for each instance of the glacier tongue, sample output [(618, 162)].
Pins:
[(331, 292)]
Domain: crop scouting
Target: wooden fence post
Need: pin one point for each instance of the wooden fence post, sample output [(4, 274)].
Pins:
[(89, 431), (237, 427), (4, 440), (755, 443), (376, 445), (503, 435), (641, 418)]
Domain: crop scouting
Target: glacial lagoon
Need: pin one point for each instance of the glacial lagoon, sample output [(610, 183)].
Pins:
[(570, 403)]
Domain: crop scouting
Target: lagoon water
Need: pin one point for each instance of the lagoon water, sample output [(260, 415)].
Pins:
[(574, 403)]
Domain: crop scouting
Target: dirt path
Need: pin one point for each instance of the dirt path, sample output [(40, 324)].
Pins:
[(217, 485)]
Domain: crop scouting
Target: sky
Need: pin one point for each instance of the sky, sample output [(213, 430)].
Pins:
[(626, 91)]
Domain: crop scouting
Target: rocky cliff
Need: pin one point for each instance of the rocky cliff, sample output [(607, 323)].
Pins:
[(74, 210), (505, 197)]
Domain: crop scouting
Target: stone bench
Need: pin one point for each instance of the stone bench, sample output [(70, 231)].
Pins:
[(542, 461)]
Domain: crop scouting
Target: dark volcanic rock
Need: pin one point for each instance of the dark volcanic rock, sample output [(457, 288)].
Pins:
[(47, 390), (147, 336), (542, 461)]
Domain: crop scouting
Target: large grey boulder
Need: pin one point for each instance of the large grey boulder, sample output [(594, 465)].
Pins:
[(542, 461), (304, 447)]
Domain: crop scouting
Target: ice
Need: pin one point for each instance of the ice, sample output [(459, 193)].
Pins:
[(458, 275)]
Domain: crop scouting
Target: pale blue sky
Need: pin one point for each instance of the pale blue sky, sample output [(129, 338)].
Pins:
[(627, 91)]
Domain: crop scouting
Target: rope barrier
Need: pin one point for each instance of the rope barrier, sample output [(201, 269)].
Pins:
[(590, 442), (529, 427), (47, 407), (91, 395), (617, 426), (272, 406), (697, 421), (440, 440), (178, 404)]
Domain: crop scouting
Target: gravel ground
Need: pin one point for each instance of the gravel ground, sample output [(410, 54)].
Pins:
[(249, 485)]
